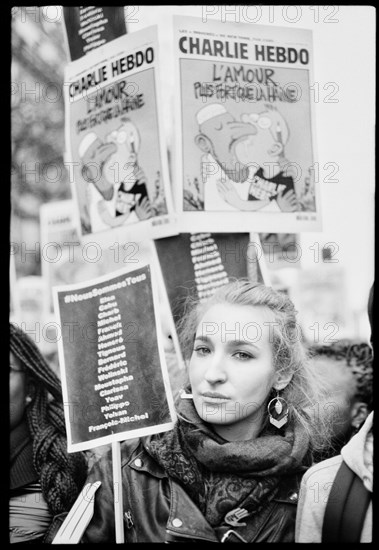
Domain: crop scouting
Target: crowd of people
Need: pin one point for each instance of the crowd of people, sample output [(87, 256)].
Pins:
[(260, 423)]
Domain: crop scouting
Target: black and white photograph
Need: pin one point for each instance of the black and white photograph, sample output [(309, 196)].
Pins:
[(191, 273)]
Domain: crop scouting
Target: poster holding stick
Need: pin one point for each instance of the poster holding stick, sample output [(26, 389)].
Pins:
[(111, 353), (117, 492), (257, 265)]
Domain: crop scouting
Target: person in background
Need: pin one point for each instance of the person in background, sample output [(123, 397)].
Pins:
[(229, 470), (335, 500), (348, 367), (45, 479)]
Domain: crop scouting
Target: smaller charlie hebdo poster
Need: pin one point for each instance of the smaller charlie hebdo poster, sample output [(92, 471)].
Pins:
[(245, 135), (114, 377), (115, 147)]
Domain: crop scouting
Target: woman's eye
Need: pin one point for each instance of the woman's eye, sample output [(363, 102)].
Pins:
[(202, 350), (243, 356)]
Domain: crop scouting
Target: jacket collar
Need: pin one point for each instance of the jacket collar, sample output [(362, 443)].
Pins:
[(185, 519)]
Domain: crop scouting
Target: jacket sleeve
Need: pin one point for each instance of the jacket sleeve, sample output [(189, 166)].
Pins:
[(314, 492), (307, 526), (101, 528)]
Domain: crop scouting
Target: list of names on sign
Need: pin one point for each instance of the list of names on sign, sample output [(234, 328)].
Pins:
[(112, 370), (114, 377)]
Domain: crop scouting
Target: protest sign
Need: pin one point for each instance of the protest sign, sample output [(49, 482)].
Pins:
[(115, 145), (245, 139), (114, 376), (88, 27)]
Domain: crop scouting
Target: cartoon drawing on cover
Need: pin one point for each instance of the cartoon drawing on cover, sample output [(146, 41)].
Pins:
[(233, 163), (100, 191), (132, 197)]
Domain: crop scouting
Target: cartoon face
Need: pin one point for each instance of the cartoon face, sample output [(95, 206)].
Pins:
[(121, 164), (268, 141), (94, 159), (225, 133)]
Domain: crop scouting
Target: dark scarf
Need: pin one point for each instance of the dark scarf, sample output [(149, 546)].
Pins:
[(22, 471), (221, 475)]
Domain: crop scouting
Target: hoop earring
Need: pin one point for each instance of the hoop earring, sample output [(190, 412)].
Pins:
[(278, 411)]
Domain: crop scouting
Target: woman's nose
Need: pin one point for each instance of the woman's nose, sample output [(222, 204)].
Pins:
[(215, 371)]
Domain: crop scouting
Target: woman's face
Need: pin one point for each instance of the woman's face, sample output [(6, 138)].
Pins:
[(17, 391), (231, 370)]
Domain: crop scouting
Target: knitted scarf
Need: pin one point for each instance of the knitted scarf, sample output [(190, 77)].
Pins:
[(221, 475), (22, 471)]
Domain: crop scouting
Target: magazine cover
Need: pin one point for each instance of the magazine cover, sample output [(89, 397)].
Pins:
[(245, 128), (111, 352), (115, 143)]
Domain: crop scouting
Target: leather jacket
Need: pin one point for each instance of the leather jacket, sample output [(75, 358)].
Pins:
[(157, 509)]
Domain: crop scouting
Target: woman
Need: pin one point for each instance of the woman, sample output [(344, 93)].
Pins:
[(44, 479), (229, 471)]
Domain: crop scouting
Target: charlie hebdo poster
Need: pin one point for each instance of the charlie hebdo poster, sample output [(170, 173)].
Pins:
[(115, 147), (245, 146)]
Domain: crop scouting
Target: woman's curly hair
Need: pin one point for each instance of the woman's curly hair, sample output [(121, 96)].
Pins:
[(61, 474)]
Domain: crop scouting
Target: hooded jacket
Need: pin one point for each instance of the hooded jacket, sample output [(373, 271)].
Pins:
[(317, 482)]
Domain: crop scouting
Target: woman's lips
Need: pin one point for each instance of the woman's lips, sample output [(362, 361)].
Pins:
[(214, 396)]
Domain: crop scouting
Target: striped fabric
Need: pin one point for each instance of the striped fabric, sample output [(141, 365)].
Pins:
[(29, 517)]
